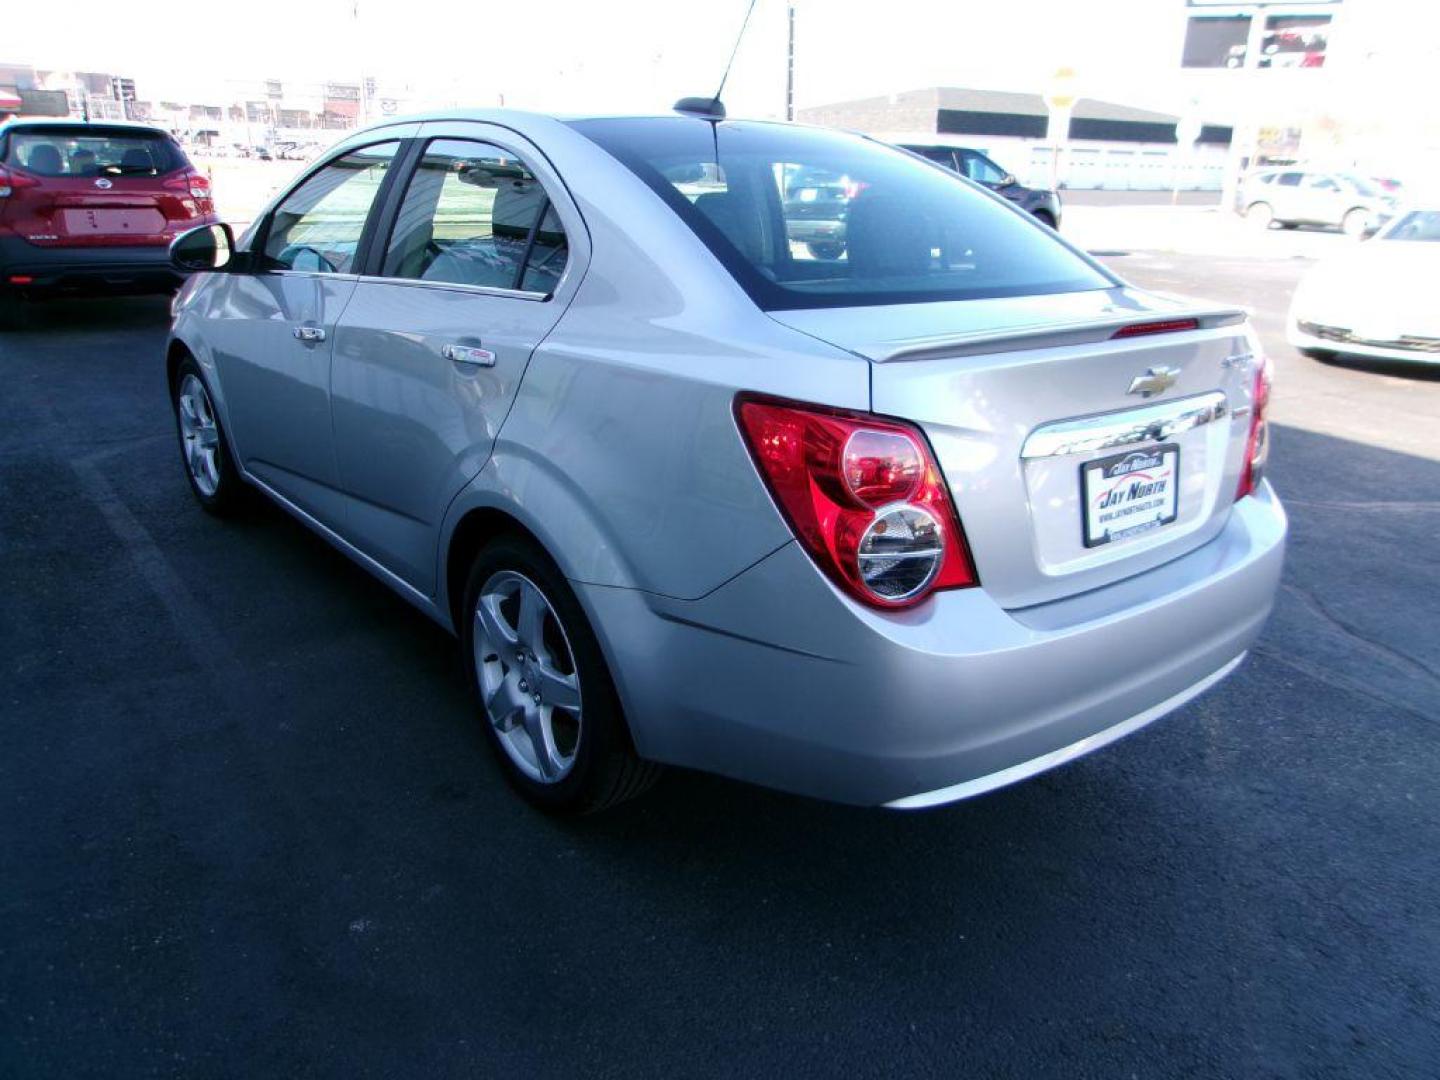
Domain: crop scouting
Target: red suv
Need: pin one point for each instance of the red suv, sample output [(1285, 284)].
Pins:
[(91, 208)]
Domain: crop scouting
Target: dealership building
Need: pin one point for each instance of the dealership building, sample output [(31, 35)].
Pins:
[(1104, 145)]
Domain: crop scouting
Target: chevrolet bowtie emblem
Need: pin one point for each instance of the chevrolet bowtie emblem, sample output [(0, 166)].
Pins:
[(1156, 380)]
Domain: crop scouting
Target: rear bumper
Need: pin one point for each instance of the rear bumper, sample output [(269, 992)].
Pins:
[(815, 231), (777, 679), (81, 269)]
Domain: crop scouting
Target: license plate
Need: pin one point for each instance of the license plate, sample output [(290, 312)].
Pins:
[(102, 222), (1129, 494)]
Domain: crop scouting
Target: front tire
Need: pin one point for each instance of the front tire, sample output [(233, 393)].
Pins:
[(825, 250), (214, 480), (1043, 216), (544, 693)]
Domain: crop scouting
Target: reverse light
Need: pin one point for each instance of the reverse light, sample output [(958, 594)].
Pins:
[(864, 497), (1257, 443)]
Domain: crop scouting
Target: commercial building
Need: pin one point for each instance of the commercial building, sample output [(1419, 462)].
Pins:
[(1104, 144)]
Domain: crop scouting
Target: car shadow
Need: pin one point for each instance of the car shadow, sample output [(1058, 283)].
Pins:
[(69, 313), (1419, 370)]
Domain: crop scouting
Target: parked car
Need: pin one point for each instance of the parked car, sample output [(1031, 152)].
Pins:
[(816, 204), (1378, 300), (1044, 204), (897, 528), (1291, 197), (91, 207)]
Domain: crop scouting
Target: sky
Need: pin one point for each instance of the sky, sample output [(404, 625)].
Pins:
[(641, 55), (628, 55)]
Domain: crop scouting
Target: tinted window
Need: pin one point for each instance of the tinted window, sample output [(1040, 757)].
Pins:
[(982, 170), (1321, 183), (907, 233), (62, 151), (318, 226), (1289, 179), (468, 217)]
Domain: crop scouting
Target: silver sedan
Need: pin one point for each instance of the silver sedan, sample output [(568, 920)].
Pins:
[(893, 524)]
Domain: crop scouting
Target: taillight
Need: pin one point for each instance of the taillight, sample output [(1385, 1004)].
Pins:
[(11, 182), (1257, 444), (863, 496), (196, 184)]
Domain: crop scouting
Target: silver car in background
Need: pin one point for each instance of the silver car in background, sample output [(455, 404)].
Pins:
[(1290, 197), (895, 524)]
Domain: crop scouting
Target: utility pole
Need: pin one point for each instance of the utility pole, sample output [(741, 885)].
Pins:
[(790, 65)]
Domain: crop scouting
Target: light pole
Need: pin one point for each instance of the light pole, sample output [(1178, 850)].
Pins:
[(790, 64)]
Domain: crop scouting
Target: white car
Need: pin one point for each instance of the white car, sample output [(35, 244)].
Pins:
[(1377, 299)]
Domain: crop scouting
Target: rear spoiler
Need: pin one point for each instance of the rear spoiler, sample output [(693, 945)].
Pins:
[(1052, 334)]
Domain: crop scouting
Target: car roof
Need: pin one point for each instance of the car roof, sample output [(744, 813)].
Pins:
[(78, 125)]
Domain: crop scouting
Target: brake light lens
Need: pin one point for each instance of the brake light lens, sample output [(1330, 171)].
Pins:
[(863, 496), (1162, 326), (195, 184), (11, 182), (1257, 444)]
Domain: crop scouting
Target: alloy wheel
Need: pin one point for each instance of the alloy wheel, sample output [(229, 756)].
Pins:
[(527, 676), (199, 435)]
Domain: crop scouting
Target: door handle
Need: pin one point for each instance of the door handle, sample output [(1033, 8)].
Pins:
[(468, 354), (309, 333)]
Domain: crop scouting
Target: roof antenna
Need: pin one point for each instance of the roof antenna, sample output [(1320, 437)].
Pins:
[(712, 108)]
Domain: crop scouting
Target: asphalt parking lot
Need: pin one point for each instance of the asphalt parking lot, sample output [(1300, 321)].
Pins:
[(249, 827)]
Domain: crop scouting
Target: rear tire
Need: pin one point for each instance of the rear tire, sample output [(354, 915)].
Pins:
[(204, 450), (827, 251), (1260, 214), (1356, 222), (541, 685)]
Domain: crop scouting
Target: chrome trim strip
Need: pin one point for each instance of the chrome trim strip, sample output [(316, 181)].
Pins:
[(482, 290), (399, 584), (1151, 423), (1027, 769)]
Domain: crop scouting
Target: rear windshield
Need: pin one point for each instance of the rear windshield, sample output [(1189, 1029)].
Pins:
[(93, 151), (807, 218)]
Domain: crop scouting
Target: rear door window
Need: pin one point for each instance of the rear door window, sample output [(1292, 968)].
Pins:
[(97, 151), (1289, 179), (317, 228), (474, 214)]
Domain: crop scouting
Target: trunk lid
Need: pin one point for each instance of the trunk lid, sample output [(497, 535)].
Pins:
[(1018, 395)]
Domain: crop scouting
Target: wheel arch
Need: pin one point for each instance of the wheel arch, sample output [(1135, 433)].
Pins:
[(520, 494), (477, 526)]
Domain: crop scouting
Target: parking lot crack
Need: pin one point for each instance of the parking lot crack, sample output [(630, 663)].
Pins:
[(1317, 607)]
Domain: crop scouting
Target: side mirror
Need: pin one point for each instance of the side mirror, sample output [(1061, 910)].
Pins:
[(207, 247)]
